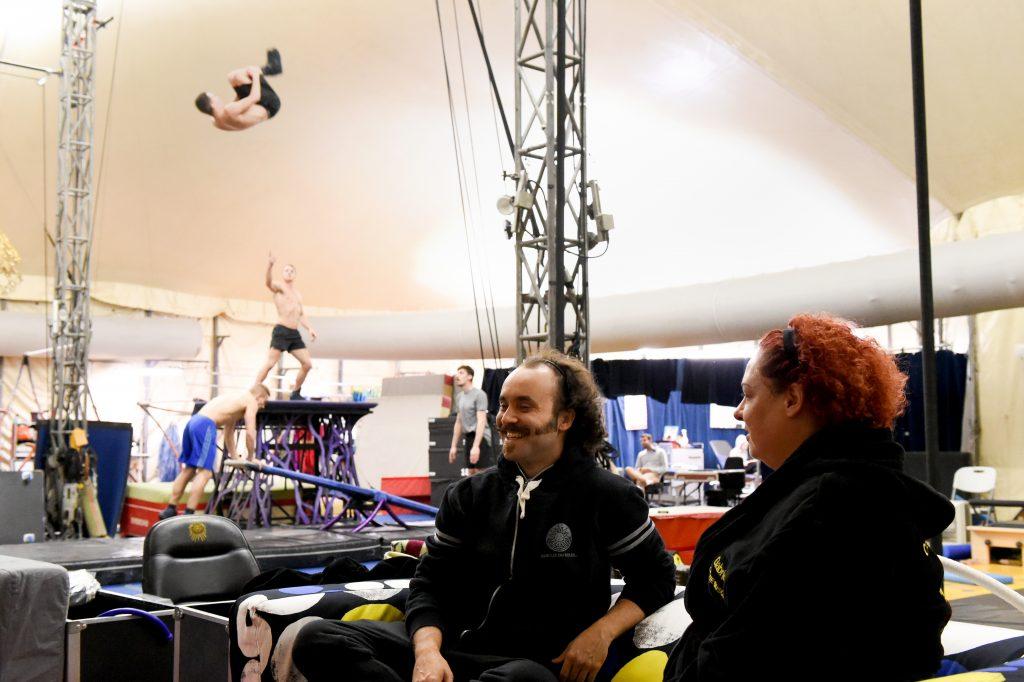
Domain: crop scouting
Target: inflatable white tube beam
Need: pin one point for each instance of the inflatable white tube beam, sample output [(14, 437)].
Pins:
[(969, 277), (1011, 597), (113, 337)]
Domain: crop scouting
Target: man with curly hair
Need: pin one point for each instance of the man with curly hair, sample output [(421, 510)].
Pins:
[(515, 583)]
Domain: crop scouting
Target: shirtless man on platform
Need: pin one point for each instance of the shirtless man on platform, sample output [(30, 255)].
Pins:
[(199, 441), (286, 337)]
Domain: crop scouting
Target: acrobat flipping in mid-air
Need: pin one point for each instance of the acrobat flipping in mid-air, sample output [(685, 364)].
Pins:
[(255, 100)]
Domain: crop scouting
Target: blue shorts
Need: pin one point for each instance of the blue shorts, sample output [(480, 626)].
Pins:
[(199, 443)]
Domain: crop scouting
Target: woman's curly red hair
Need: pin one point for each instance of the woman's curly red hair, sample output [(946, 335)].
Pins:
[(845, 378)]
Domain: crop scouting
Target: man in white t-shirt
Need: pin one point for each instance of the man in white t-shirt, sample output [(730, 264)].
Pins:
[(471, 425), (651, 463)]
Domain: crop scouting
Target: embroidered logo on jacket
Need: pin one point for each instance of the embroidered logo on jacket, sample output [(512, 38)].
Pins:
[(717, 575), (559, 538)]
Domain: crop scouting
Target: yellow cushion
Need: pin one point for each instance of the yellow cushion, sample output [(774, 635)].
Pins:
[(647, 667), (383, 612), (974, 677)]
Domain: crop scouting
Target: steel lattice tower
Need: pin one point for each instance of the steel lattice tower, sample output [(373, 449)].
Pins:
[(71, 325), (552, 303)]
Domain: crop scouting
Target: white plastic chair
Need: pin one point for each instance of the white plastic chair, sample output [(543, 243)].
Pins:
[(975, 481), (969, 484), (721, 449)]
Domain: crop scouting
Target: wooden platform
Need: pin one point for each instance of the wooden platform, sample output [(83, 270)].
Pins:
[(985, 539)]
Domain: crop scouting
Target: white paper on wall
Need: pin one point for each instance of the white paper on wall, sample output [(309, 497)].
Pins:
[(635, 412), (722, 417)]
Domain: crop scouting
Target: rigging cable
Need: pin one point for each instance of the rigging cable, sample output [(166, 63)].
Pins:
[(501, 162), (485, 269), (106, 127), (47, 237), (490, 75), (462, 198)]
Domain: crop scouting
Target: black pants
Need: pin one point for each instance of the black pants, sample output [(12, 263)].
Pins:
[(372, 651)]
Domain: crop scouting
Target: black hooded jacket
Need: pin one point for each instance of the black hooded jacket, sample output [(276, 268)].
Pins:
[(822, 573), (501, 583)]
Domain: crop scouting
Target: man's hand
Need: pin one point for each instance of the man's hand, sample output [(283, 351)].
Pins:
[(270, 259), (585, 655), (431, 667), (474, 454), (430, 664), (451, 455), (312, 335)]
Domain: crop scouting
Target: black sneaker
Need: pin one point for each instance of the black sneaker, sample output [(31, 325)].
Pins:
[(273, 66), (296, 396), (168, 513)]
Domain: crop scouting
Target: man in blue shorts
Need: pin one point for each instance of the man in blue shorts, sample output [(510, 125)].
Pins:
[(199, 441)]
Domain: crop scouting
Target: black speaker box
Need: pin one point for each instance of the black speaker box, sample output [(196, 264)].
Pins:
[(949, 462)]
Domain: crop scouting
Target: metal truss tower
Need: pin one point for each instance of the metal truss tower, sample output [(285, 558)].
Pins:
[(552, 303), (71, 324)]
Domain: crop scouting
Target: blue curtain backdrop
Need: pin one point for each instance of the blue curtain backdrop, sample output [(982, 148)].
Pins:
[(696, 419), (951, 371), (711, 380)]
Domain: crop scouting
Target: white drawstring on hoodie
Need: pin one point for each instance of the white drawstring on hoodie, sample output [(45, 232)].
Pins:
[(525, 487)]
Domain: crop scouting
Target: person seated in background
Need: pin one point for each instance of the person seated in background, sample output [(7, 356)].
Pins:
[(651, 463), (741, 448), (777, 589)]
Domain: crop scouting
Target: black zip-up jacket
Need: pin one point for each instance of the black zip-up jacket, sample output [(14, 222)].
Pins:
[(506, 584), (822, 573)]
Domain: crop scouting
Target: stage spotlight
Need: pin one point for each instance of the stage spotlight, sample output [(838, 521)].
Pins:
[(605, 222), (506, 205)]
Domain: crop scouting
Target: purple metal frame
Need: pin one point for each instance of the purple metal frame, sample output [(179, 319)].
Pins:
[(383, 501), (285, 432)]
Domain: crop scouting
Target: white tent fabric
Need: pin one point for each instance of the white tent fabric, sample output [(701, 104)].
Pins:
[(712, 167), (851, 58)]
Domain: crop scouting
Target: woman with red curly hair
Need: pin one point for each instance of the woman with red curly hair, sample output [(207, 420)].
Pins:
[(779, 588)]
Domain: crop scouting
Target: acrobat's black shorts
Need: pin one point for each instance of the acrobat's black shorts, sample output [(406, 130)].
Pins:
[(268, 98), (286, 339)]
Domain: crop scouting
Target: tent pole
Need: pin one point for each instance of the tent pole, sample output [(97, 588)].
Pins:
[(924, 249)]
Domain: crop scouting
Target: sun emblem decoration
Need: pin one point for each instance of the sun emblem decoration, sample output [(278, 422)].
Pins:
[(197, 532)]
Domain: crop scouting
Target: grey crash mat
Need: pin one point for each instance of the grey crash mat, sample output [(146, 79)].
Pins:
[(33, 609)]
